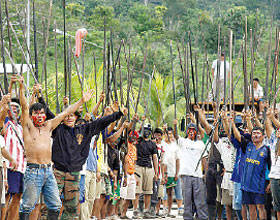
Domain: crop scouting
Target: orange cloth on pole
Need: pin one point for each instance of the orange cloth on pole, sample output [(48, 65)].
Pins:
[(81, 33)]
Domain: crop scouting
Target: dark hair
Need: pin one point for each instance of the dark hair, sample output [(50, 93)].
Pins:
[(169, 129), (81, 121), (256, 79), (35, 107), (158, 130), (222, 54), (15, 100), (258, 129)]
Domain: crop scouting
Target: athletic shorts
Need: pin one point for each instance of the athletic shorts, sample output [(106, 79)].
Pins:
[(15, 182), (128, 192), (171, 182), (275, 189), (250, 198), (145, 176)]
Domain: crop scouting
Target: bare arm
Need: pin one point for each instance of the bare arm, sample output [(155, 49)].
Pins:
[(200, 129), (268, 124), (216, 133), (7, 156), (272, 118), (71, 109), (203, 121), (155, 163), (236, 133), (12, 82), (95, 108), (248, 119), (113, 138), (226, 125), (26, 121), (258, 123), (177, 168)]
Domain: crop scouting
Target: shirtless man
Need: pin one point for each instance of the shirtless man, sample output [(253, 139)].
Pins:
[(39, 176)]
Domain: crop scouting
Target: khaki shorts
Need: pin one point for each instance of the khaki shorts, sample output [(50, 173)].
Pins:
[(226, 197), (98, 189), (145, 181)]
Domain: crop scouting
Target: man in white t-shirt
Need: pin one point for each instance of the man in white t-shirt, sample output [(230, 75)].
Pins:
[(171, 163), (258, 93), (193, 186), (221, 72)]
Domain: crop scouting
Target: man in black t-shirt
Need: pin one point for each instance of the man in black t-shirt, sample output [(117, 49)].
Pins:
[(144, 171)]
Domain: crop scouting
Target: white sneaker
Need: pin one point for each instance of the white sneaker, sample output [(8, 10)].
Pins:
[(180, 211)]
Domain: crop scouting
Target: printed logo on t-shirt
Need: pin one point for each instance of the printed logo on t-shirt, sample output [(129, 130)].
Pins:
[(262, 154), (79, 138)]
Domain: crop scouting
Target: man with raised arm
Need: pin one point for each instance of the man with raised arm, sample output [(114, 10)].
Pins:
[(71, 143), (257, 160), (39, 177), (191, 149)]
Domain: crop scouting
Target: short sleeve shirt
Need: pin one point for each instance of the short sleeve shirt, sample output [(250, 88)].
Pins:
[(145, 151), (190, 154), (170, 156)]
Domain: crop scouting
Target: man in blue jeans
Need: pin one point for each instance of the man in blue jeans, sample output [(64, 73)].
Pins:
[(39, 177)]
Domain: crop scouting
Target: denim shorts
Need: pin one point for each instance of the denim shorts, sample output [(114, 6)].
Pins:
[(177, 189), (37, 181), (275, 189)]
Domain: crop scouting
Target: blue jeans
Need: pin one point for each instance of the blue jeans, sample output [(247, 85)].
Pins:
[(82, 189), (37, 181), (237, 197)]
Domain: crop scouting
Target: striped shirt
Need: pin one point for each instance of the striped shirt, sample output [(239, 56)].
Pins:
[(13, 145)]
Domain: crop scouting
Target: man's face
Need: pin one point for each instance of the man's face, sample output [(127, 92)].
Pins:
[(191, 133), (170, 135), (257, 136), (38, 117), (70, 120), (222, 58), (158, 137), (14, 109), (255, 84)]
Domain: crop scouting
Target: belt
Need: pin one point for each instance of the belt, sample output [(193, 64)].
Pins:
[(38, 166), (229, 171)]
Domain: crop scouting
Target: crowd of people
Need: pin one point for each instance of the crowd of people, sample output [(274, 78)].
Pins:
[(98, 165)]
